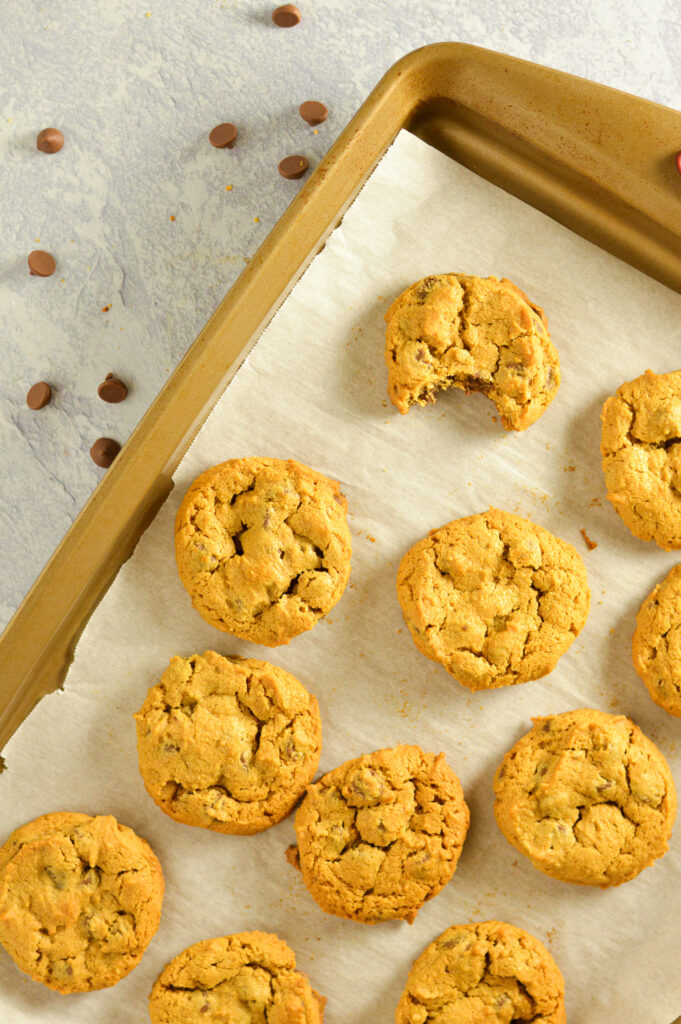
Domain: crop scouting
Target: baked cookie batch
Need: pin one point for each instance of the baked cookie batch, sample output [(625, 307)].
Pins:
[(232, 744)]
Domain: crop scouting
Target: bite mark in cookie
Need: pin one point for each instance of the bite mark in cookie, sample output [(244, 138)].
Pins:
[(474, 334)]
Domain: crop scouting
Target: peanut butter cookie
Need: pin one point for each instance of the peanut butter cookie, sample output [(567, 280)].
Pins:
[(248, 978), (494, 598), (228, 744), (475, 334), (491, 972), (263, 548), (80, 900), (587, 797), (656, 649), (641, 449), (381, 834)]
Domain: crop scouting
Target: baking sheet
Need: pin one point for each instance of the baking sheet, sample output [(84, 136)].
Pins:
[(314, 389)]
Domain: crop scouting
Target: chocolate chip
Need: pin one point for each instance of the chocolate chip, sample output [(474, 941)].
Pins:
[(286, 16), (41, 263), (50, 140), (104, 451), (39, 395), (205, 1008), (293, 167), (112, 389), (313, 112), (223, 136)]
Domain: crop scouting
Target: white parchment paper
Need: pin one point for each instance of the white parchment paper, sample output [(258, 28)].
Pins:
[(314, 388)]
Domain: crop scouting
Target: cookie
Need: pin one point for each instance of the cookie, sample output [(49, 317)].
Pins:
[(641, 449), (248, 978), (491, 972), (228, 743), (587, 797), (80, 900), (656, 648), (263, 548), (474, 334), (494, 598), (381, 834)]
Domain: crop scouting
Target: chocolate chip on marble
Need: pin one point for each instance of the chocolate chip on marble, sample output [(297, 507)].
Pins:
[(39, 395), (313, 112), (50, 140), (286, 16), (293, 167), (223, 136), (112, 389), (104, 451), (41, 263)]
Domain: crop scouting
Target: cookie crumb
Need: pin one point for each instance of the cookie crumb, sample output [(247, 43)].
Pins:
[(591, 544), (293, 857)]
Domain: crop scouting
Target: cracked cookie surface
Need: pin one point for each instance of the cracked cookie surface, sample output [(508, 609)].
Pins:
[(80, 900), (656, 647), (263, 547), (587, 797), (491, 971), (228, 744), (474, 334), (381, 834), (494, 598), (641, 450), (249, 978)]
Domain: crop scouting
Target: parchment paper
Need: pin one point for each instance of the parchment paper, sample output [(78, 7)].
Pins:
[(314, 389)]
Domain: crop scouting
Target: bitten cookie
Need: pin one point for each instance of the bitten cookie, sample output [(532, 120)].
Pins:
[(381, 834), (483, 972), (475, 334), (263, 548), (641, 449), (587, 797), (494, 598), (80, 900), (656, 648), (228, 744), (248, 978)]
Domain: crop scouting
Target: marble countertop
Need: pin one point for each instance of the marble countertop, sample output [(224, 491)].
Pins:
[(137, 207)]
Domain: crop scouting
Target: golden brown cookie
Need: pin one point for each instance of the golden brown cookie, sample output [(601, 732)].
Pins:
[(80, 900), (248, 978), (656, 648), (641, 449), (381, 834), (490, 972), (475, 334), (263, 547), (587, 797), (494, 598), (228, 743)]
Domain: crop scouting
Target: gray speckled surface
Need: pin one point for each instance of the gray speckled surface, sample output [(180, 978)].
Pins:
[(136, 87)]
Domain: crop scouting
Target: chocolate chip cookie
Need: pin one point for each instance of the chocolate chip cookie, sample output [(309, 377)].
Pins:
[(248, 978), (656, 648), (491, 972), (641, 449), (587, 797), (80, 900), (381, 834), (474, 334), (263, 547), (227, 743), (494, 598)]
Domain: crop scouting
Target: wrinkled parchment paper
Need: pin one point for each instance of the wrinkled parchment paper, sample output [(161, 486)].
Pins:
[(314, 388)]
